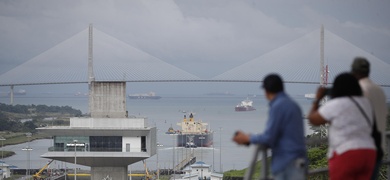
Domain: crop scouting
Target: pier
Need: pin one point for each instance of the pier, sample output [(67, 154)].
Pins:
[(191, 159)]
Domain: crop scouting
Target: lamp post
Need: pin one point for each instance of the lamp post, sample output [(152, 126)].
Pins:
[(173, 155), (2, 150), (201, 145), (213, 157), (28, 149), (75, 159), (220, 149), (158, 165), (66, 170)]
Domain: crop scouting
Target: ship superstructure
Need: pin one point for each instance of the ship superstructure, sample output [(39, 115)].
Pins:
[(245, 105), (194, 133), (150, 95)]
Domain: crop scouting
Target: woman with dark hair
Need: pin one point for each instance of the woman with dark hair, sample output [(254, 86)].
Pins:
[(351, 152), (346, 85)]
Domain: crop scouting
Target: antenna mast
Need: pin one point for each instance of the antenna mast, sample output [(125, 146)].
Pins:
[(322, 79)]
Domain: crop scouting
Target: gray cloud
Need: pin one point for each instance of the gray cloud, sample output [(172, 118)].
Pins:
[(206, 38)]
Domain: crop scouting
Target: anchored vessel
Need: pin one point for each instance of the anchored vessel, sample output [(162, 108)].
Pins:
[(245, 105), (193, 133), (150, 95)]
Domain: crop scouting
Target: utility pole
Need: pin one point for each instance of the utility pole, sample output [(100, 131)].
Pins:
[(2, 150), (220, 149), (75, 160), (28, 149)]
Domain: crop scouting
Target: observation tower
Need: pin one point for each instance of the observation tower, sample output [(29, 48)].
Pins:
[(107, 141)]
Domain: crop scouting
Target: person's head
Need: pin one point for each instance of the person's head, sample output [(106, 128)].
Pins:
[(360, 67), (345, 84), (272, 84)]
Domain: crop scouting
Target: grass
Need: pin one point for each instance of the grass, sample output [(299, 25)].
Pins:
[(18, 138), (241, 173), (7, 153), (14, 177)]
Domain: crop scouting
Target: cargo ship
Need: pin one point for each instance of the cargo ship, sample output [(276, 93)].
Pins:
[(19, 92), (193, 133), (150, 95), (245, 105)]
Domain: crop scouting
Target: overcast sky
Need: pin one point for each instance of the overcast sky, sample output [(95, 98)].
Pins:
[(203, 37), (186, 33)]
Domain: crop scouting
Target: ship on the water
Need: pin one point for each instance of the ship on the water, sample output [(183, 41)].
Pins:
[(193, 133), (310, 96), (19, 92), (150, 95), (245, 105)]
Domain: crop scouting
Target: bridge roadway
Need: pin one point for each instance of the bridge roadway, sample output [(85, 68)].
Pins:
[(146, 81)]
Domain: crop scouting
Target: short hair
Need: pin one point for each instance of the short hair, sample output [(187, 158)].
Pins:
[(273, 83), (346, 84), (360, 66)]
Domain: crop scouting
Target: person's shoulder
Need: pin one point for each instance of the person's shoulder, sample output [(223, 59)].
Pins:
[(368, 83), (338, 101), (285, 100), (370, 88), (360, 98)]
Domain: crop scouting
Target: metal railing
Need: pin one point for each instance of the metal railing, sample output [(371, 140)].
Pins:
[(264, 164), (264, 170)]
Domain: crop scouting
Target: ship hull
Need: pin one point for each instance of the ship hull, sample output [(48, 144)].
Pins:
[(247, 108), (144, 97), (200, 140)]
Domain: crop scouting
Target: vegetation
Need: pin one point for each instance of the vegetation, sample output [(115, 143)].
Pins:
[(17, 120), (17, 138), (26, 118), (15, 177), (39, 109)]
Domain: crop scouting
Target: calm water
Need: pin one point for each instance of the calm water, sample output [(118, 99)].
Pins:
[(164, 113)]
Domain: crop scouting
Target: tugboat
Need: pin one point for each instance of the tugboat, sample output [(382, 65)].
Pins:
[(193, 133), (170, 130), (245, 105)]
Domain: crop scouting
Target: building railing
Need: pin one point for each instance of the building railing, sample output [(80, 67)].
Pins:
[(265, 166), (62, 149)]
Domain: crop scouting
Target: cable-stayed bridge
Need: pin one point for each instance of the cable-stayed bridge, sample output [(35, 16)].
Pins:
[(114, 60)]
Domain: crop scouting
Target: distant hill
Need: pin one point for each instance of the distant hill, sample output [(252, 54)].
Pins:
[(25, 118)]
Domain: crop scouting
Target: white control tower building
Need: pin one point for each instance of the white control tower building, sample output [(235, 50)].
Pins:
[(108, 141)]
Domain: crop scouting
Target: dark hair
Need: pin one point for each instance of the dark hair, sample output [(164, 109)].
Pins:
[(273, 83), (360, 66), (345, 84)]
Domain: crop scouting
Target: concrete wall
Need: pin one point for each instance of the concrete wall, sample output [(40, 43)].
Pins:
[(117, 123), (135, 144), (151, 141), (108, 100)]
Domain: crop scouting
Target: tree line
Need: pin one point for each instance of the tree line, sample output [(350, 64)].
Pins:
[(9, 114), (25, 109)]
